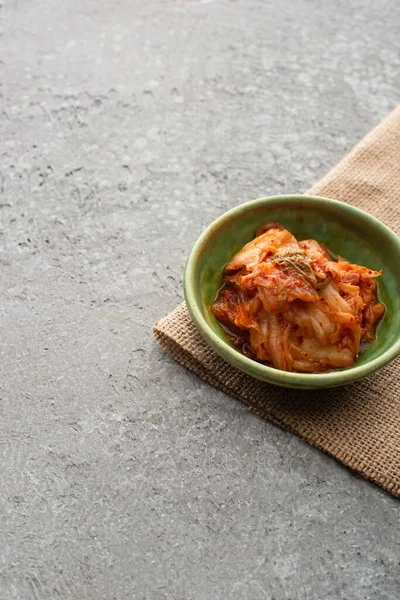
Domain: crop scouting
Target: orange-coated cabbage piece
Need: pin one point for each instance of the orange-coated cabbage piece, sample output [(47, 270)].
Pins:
[(292, 305)]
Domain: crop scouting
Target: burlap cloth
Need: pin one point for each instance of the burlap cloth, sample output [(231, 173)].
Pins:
[(358, 424)]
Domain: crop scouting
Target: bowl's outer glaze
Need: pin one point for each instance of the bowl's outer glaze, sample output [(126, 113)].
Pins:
[(346, 231)]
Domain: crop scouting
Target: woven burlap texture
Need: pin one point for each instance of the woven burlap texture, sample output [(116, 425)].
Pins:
[(358, 424)]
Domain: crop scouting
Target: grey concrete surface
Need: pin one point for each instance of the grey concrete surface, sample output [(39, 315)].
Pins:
[(126, 127)]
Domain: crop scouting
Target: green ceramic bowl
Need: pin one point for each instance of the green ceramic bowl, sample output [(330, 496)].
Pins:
[(347, 231)]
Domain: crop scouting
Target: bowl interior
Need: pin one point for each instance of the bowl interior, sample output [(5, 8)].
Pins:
[(346, 231)]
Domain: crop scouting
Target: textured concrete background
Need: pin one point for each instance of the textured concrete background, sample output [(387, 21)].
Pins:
[(126, 127)]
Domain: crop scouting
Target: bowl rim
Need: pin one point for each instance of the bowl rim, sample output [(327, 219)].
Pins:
[(248, 365)]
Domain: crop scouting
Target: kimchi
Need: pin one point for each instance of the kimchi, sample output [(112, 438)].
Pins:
[(294, 306)]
